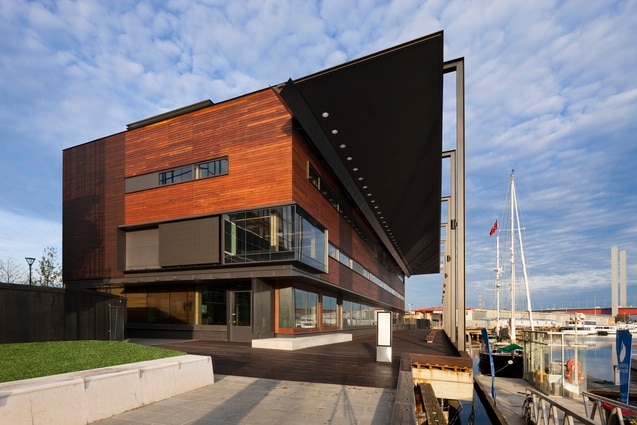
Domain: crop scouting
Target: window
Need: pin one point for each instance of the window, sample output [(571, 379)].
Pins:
[(259, 235), (213, 307), (305, 309), (212, 168), (330, 313), (275, 234), (313, 176), (312, 244), (202, 170), (344, 259), (347, 314), (286, 308), (177, 175)]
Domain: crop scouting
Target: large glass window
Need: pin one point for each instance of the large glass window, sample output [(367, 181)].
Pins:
[(330, 313), (213, 307), (305, 309), (274, 234), (313, 244), (259, 235), (347, 313), (286, 308)]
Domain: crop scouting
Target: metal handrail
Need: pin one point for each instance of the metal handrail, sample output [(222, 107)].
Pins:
[(610, 411), (546, 411)]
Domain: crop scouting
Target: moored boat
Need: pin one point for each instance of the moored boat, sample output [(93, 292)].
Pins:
[(508, 360), (604, 330), (579, 325)]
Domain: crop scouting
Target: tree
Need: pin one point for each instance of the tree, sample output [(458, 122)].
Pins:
[(10, 272), (49, 268)]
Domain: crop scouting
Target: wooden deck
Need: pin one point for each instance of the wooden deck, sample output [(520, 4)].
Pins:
[(347, 363)]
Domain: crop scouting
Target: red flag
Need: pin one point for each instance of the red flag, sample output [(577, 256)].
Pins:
[(494, 228)]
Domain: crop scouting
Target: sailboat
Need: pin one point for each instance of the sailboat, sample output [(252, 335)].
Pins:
[(508, 360)]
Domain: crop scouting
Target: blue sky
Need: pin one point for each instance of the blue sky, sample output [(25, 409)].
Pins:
[(551, 92)]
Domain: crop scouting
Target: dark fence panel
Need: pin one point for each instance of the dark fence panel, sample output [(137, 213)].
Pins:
[(36, 313)]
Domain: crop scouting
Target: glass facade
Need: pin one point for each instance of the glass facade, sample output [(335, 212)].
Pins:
[(330, 312), (213, 307), (274, 234), (305, 309), (286, 308), (357, 314)]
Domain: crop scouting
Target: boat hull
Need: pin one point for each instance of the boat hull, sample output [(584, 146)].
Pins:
[(501, 365)]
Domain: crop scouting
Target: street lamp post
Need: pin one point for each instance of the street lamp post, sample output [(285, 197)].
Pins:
[(30, 261)]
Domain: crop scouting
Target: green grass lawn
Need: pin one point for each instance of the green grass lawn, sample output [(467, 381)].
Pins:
[(35, 359)]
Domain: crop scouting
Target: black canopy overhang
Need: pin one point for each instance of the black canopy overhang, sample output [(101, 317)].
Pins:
[(386, 109)]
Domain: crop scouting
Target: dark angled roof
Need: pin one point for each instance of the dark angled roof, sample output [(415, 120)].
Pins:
[(378, 123)]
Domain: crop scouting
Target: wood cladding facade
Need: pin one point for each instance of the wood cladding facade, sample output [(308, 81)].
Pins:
[(267, 166), (253, 132), (93, 207)]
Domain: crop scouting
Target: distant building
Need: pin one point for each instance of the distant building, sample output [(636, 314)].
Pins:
[(297, 208)]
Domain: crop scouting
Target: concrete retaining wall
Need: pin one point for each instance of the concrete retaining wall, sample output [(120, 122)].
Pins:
[(88, 396)]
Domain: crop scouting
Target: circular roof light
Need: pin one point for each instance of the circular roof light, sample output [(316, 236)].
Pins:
[(325, 114), (335, 131), (342, 146)]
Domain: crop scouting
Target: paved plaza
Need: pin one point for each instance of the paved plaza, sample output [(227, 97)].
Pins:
[(246, 400)]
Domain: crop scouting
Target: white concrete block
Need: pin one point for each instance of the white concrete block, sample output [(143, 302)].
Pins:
[(58, 403), (158, 381), (88, 396), (194, 372), (119, 391), (298, 343)]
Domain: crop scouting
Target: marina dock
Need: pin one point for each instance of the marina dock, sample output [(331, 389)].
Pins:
[(510, 396)]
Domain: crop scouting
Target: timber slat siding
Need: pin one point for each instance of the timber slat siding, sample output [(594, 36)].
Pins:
[(93, 208), (254, 132)]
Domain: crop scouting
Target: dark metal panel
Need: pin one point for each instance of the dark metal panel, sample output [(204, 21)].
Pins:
[(142, 182), (142, 249), (189, 242), (263, 296)]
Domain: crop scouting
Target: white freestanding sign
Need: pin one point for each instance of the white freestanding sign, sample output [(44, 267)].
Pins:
[(383, 336)]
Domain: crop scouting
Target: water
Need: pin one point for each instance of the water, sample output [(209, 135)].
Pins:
[(600, 356)]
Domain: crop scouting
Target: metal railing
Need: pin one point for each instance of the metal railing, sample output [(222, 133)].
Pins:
[(608, 411), (539, 409)]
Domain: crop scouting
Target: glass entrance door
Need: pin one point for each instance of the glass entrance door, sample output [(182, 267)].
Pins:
[(240, 326)]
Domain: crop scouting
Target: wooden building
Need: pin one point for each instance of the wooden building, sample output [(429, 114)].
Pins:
[(296, 209)]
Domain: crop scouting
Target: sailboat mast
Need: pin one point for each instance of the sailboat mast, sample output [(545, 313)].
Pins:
[(512, 230), (498, 270)]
